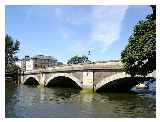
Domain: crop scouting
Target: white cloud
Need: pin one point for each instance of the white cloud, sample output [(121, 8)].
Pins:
[(67, 16), (106, 24), (78, 47)]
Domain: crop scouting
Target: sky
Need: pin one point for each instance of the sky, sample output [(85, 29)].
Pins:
[(65, 31)]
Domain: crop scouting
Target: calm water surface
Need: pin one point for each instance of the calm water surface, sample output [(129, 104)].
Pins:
[(36, 101)]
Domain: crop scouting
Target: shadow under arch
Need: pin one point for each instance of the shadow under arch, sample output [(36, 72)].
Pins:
[(122, 84), (31, 81), (62, 81)]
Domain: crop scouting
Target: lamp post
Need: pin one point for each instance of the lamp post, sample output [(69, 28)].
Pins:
[(89, 53)]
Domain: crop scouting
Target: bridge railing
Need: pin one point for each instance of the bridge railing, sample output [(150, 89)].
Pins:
[(80, 67)]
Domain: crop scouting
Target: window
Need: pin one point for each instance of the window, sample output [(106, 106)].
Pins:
[(46, 60), (42, 61), (35, 59)]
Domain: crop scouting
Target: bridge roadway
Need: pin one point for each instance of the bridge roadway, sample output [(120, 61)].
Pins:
[(99, 76)]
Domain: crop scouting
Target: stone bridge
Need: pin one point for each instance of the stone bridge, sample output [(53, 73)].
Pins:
[(97, 76)]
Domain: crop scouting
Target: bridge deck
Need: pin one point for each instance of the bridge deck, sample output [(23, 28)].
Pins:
[(80, 67)]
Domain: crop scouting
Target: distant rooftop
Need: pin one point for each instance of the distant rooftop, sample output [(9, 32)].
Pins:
[(43, 57), (38, 56)]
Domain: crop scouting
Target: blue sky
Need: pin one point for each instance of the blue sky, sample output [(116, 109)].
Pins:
[(65, 31)]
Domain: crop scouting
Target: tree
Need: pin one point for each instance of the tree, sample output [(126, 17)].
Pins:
[(11, 48), (78, 59), (139, 56), (153, 15)]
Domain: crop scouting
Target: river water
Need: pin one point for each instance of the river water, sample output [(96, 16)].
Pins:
[(37, 101)]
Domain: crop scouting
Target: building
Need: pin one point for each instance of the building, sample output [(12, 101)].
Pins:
[(38, 61), (21, 63)]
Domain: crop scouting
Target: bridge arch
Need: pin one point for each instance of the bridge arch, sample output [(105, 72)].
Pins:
[(65, 76), (120, 82), (31, 79), (110, 79)]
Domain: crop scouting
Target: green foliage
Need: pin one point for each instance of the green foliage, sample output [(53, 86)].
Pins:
[(152, 16), (78, 59), (11, 48), (11, 69), (139, 56)]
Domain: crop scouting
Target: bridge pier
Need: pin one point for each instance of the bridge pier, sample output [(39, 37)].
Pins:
[(42, 79), (88, 79)]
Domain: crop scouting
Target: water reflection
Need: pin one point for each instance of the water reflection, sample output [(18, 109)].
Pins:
[(29, 101), (132, 105)]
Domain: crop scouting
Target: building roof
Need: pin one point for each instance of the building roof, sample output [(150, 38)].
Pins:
[(43, 57)]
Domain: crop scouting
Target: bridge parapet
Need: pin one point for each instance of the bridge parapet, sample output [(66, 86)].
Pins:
[(80, 67)]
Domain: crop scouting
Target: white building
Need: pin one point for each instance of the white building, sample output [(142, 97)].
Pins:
[(21, 64), (38, 61)]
